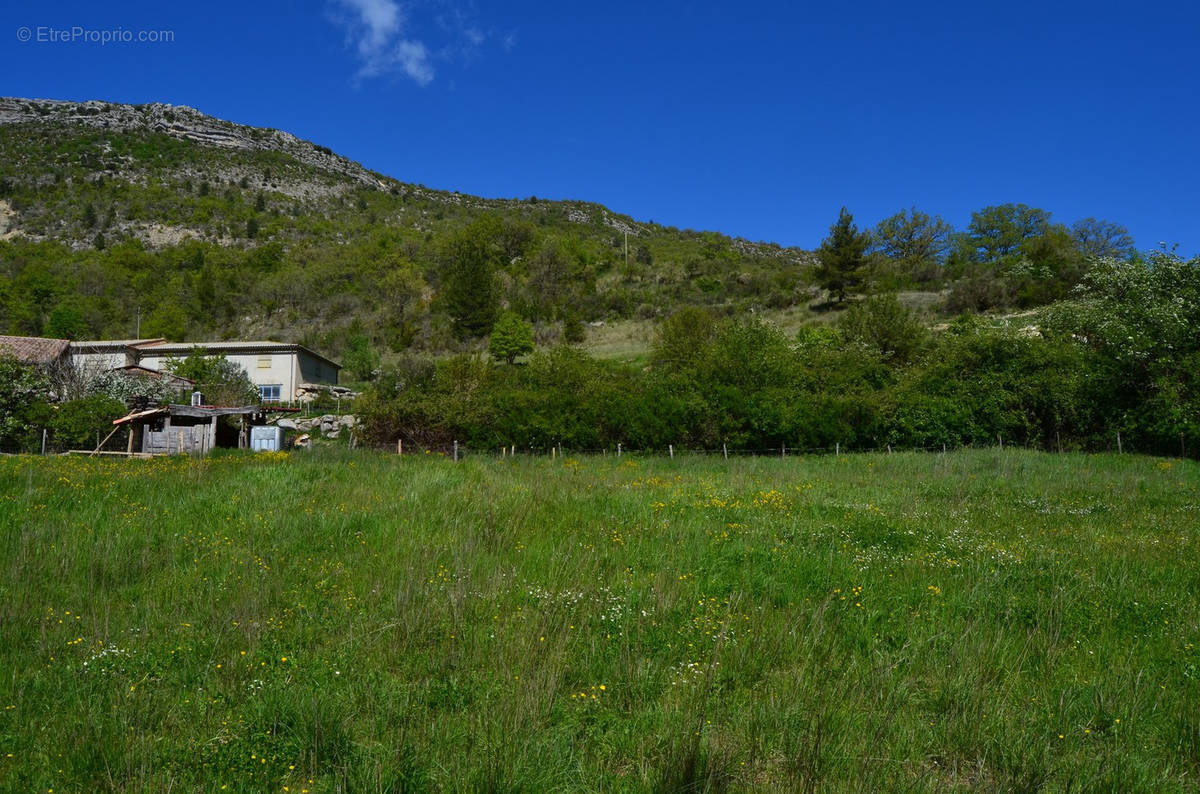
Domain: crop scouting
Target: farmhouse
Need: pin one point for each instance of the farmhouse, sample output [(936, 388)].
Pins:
[(278, 369)]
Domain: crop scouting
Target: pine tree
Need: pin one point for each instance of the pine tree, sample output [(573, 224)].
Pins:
[(469, 290), (842, 257)]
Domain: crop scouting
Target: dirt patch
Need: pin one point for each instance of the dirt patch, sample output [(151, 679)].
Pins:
[(8, 222)]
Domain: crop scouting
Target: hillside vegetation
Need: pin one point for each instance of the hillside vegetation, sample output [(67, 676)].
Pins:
[(208, 229), (217, 230)]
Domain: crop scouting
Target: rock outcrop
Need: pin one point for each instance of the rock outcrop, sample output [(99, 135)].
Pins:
[(308, 392), (328, 425), (180, 121)]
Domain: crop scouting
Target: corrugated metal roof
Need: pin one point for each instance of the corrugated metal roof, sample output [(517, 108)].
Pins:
[(204, 411), (33, 349), (162, 346), (263, 346)]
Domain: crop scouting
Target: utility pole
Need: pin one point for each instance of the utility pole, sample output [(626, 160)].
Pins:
[(137, 334)]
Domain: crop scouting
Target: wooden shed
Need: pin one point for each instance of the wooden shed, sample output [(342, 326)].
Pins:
[(189, 429)]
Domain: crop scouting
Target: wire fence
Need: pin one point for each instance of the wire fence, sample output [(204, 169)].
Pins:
[(459, 451), (45, 441)]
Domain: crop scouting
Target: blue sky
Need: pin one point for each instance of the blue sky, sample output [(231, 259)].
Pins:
[(756, 119)]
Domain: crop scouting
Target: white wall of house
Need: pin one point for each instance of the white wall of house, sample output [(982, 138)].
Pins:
[(283, 370), (270, 369), (265, 368), (276, 368), (97, 362), (103, 355)]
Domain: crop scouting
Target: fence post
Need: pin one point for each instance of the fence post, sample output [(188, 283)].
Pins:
[(1000, 438), (783, 451), (618, 449), (399, 446), (837, 449), (671, 449), (889, 449), (456, 450), (43, 441), (1119, 450), (725, 451)]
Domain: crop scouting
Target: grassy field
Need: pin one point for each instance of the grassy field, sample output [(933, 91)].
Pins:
[(336, 621)]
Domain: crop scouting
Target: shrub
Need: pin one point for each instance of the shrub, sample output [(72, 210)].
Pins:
[(75, 423)]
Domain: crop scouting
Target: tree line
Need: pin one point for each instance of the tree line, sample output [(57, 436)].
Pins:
[(1120, 355), (1009, 255)]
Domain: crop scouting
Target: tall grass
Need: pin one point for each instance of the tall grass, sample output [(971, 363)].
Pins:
[(985, 620)]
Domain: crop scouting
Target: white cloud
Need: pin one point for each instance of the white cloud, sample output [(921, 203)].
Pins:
[(380, 33), (376, 28), (413, 58)]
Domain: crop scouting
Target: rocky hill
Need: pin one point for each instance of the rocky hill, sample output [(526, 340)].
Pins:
[(204, 227), (184, 123)]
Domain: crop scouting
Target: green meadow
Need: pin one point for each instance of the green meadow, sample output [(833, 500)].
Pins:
[(334, 621)]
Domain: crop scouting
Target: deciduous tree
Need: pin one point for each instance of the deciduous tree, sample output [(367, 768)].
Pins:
[(884, 325), (1096, 238), (221, 381), (915, 242), (511, 337), (997, 235)]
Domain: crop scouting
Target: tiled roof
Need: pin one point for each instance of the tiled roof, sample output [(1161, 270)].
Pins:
[(98, 345), (33, 349)]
